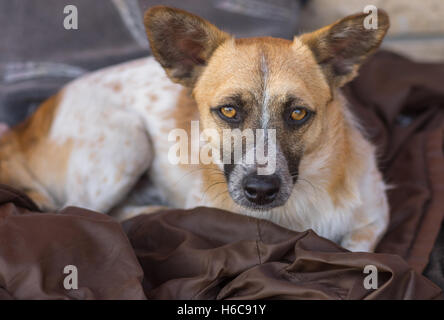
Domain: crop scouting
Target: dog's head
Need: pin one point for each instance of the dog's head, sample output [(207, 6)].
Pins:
[(263, 83)]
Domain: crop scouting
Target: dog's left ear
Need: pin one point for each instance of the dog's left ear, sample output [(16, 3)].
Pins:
[(342, 47), (182, 42)]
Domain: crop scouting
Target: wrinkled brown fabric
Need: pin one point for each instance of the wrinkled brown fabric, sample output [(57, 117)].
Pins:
[(35, 248), (199, 254), (212, 254), (401, 106)]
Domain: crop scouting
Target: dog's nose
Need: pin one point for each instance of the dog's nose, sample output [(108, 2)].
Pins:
[(261, 189)]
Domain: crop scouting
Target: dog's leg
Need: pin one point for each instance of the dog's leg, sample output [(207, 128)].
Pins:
[(103, 171), (122, 213), (365, 238), (144, 198), (17, 175), (44, 202), (371, 220)]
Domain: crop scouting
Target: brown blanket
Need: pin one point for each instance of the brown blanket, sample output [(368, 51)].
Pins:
[(199, 254), (211, 254), (401, 106)]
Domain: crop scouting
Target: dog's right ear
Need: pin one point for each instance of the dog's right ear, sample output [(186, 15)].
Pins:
[(182, 42)]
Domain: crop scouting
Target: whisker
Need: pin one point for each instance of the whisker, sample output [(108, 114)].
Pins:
[(220, 193), (225, 199), (296, 175), (311, 184), (214, 184), (197, 170)]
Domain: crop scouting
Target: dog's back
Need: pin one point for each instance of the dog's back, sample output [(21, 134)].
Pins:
[(88, 144)]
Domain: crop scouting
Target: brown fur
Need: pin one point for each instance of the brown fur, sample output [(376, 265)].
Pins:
[(24, 154)]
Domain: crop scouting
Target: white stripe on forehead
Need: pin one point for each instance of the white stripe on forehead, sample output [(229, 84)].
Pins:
[(265, 111)]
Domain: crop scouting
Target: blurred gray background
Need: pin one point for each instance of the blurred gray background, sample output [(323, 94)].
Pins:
[(38, 55)]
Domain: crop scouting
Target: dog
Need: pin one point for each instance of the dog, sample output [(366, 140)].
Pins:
[(102, 142)]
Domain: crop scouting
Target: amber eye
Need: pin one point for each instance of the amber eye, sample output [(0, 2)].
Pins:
[(298, 114), (228, 111)]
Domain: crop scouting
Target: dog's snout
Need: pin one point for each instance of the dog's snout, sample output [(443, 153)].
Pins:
[(261, 189)]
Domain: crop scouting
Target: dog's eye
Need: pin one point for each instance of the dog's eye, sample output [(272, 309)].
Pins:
[(298, 114), (228, 112)]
